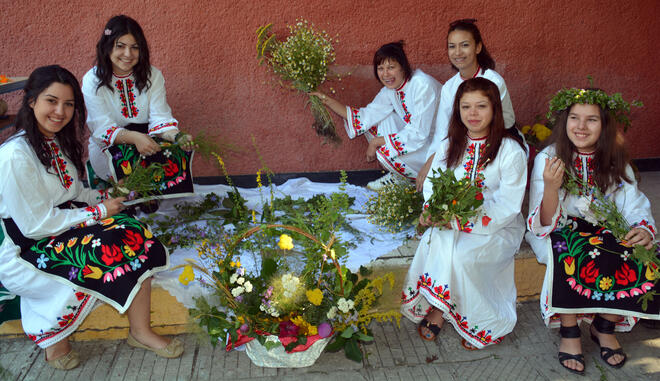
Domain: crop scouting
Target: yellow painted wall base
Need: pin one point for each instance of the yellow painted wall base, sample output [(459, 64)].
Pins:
[(169, 317)]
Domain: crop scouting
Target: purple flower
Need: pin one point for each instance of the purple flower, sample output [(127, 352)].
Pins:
[(560, 246), (117, 155), (73, 273), (239, 298), (174, 239), (325, 329), (131, 195), (244, 328)]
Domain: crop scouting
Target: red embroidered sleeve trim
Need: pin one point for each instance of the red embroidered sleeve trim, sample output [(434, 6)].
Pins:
[(161, 126), (107, 136)]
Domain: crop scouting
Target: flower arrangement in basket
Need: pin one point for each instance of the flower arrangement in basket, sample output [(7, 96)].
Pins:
[(292, 299), (395, 208), (454, 200), (301, 61)]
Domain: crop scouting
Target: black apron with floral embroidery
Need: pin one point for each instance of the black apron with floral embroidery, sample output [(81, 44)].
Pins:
[(593, 270), (176, 163), (108, 260)]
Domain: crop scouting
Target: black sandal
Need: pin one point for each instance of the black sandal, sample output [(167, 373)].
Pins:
[(571, 333), (602, 325), (434, 328)]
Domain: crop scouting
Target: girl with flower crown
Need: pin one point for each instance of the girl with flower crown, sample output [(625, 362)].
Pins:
[(128, 111), (399, 122), (590, 275), (468, 55), (464, 273), (64, 246)]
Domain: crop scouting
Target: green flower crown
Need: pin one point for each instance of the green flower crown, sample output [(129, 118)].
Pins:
[(614, 104)]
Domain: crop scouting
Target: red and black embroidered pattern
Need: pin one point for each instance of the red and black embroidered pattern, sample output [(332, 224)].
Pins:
[(106, 137), (406, 113), (161, 126), (59, 164), (127, 98)]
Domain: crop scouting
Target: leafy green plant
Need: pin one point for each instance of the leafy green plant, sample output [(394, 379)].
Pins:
[(453, 199), (395, 208)]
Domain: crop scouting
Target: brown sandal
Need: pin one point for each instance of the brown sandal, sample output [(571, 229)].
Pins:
[(66, 362), (434, 328)]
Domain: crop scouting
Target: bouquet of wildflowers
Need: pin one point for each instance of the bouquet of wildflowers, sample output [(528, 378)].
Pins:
[(302, 62), (536, 134), (603, 211), (280, 304), (454, 199), (395, 208)]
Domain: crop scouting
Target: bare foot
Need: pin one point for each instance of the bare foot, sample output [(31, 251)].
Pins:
[(58, 349), (571, 346)]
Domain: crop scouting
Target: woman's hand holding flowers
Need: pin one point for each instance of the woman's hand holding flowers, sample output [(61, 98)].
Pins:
[(639, 236)]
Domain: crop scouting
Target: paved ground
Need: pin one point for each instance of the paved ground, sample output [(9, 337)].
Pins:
[(397, 353), (529, 353)]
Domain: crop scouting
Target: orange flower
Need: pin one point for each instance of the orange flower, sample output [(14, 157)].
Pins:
[(72, 241), (453, 202), (59, 247), (595, 241), (87, 238), (92, 272)]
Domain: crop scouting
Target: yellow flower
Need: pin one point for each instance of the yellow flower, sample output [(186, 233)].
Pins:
[(569, 265), (72, 241), (605, 283), (315, 296), (286, 242), (332, 254), (59, 247), (254, 217), (147, 233), (107, 221), (650, 275), (235, 264), (259, 179), (129, 251), (187, 275), (525, 129), (92, 272), (126, 168), (542, 132)]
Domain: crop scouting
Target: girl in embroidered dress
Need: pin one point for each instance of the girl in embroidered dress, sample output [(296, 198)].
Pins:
[(464, 274), (588, 270), (468, 55), (399, 122), (65, 246), (128, 114)]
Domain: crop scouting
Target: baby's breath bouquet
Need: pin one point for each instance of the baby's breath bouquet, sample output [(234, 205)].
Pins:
[(454, 199), (301, 62), (395, 208)]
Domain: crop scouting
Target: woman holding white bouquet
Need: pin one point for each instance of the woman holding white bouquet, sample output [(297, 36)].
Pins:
[(399, 122), (463, 272)]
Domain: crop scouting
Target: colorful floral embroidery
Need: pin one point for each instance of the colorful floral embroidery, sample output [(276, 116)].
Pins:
[(575, 251), (474, 152), (644, 223), (59, 165), (583, 166), (355, 121), (65, 321), (406, 114), (161, 126), (442, 294), (107, 136), (127, 98), (397, 144)]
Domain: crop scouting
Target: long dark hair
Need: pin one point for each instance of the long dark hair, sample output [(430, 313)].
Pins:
[(69, 136), (610, 158), (458, 133), (117, 27), (392, 51), (468, 25)]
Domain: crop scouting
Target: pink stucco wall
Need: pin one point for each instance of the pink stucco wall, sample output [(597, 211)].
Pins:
[(206, 51)]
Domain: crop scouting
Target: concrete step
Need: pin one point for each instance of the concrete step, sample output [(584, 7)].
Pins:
[(171, 317)]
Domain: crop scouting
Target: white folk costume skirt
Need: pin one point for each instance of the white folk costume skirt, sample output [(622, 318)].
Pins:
[(470, 278), (407, 165), (59, 278), (589, 271)]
